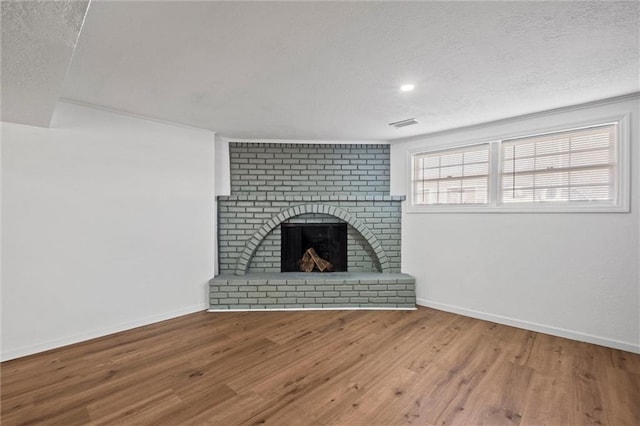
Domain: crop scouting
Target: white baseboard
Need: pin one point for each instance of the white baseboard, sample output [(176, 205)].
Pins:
[(528, 325), (356, 308), (81, 337)]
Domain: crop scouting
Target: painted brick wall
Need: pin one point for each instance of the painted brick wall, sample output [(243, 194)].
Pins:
[(270, 179), (240, 216), (308, 169)]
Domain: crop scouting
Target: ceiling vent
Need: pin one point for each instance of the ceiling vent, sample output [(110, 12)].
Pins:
[(404, 123)]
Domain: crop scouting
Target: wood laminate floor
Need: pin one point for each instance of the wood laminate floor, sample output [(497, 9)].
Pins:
[(423, 367)]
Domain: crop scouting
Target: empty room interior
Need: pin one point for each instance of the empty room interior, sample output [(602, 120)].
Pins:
[(320, 213)]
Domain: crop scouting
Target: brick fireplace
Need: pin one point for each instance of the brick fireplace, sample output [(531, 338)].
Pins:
[(275, 186)]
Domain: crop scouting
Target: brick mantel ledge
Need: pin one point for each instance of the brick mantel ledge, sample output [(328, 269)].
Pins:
[(311, 198)]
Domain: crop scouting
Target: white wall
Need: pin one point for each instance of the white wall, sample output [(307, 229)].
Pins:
[(107, 224), (567, 274)]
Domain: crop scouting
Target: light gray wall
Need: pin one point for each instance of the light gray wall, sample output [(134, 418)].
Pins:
[(350, 181), (283, 175), (309, 169), (569, 274), (240, 217), (107, 223)]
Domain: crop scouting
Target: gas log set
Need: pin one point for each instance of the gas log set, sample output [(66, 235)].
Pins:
[(310, 261)]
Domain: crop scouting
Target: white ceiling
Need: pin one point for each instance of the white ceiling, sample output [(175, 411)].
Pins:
[(38, 41), (331, 70)]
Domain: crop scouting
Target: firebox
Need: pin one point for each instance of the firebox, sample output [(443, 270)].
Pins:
[(316, 247)]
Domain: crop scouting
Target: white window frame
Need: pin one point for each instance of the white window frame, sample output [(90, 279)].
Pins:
[(433, 208), (494, 205)]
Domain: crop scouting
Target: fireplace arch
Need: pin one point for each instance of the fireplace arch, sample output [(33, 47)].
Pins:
[(255, 240)]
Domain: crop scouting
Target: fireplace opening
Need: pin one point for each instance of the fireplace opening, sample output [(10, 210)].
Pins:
[(302, 243)]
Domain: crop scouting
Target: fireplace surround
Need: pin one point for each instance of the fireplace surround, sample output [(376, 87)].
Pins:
[(277, 187)]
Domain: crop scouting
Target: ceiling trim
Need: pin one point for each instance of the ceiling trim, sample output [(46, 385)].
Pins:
[(606, 101), (130, 114)]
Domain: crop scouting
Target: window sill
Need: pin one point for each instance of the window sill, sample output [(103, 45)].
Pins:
[(519, 209)]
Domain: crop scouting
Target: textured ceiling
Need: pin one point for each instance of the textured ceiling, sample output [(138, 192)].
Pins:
[(38, 40), (331, 70)]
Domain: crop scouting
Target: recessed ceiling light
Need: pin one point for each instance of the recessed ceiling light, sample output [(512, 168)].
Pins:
[(407, 87)]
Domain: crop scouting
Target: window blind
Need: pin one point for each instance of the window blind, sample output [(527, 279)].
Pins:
[(569, 166), (455, 176)]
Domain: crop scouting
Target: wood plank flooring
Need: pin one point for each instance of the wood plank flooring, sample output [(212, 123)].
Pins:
[(423, 367)]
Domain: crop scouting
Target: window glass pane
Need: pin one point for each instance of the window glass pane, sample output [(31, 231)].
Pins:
[(480, 169), (456, 176), (552, 146), (451, 171), (577, 165), (450, 159), (552, 179), (586, 158), (517, 195), (590, 193), (431, 174)]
